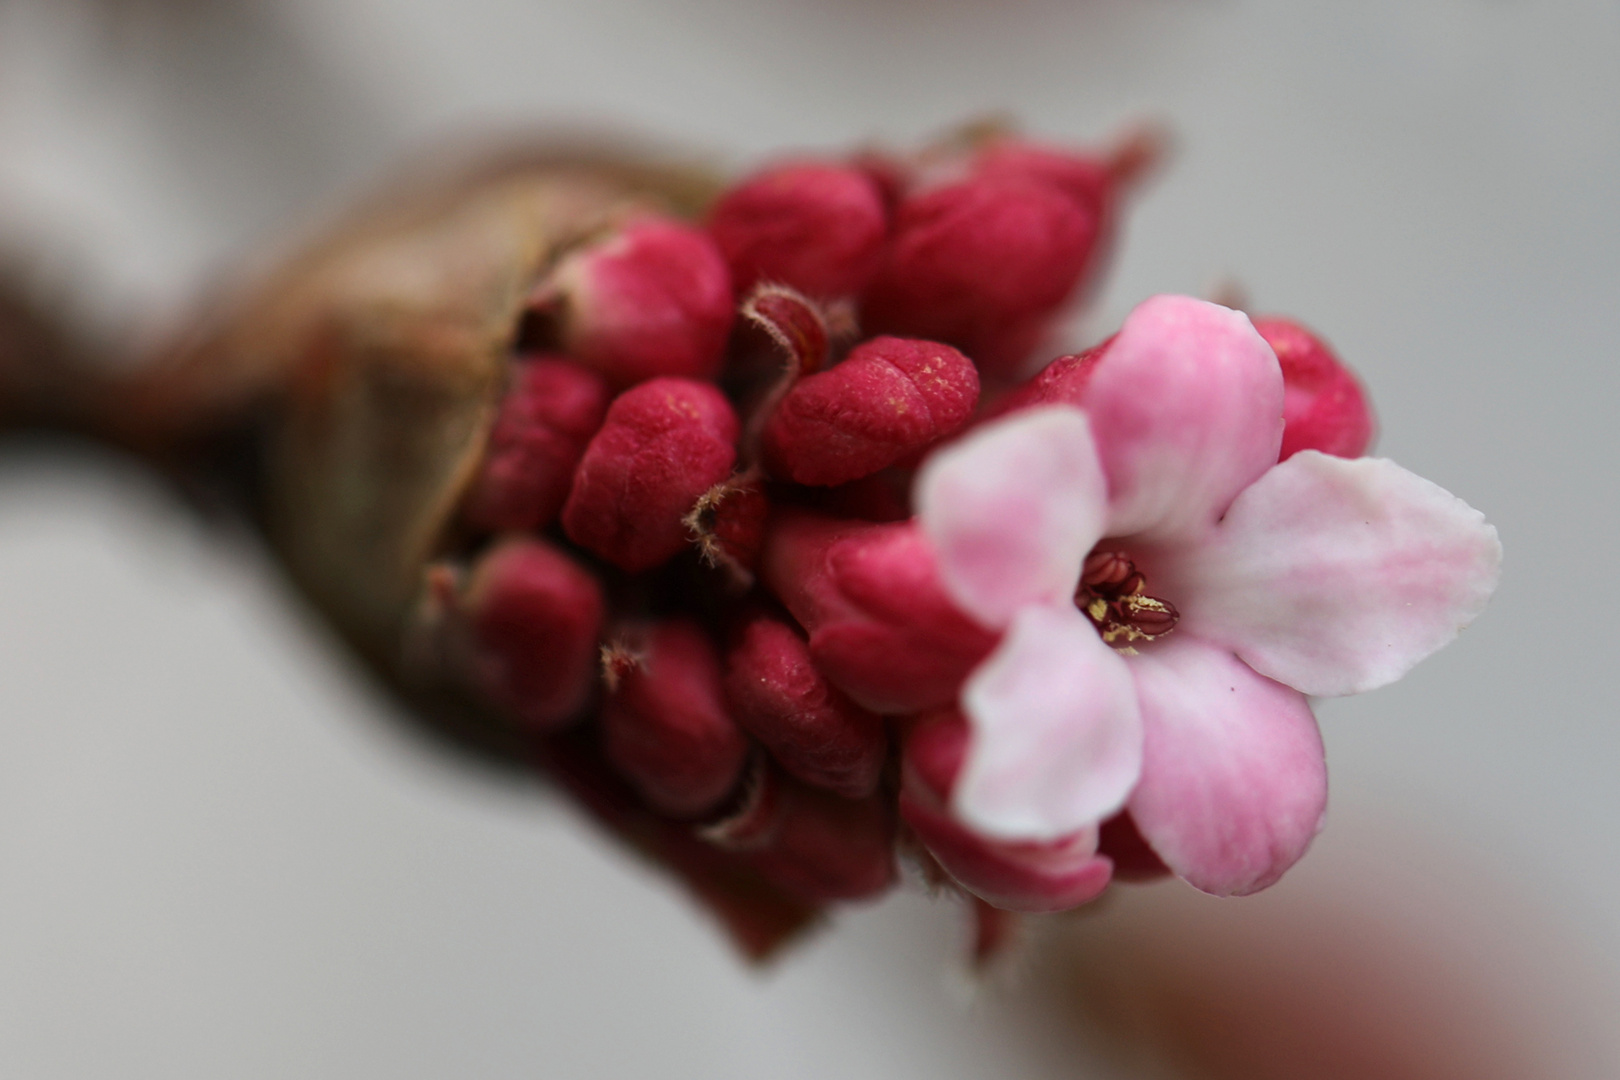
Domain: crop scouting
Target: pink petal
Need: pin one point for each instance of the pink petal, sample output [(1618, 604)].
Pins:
[(1057, 738), (1234, 783), (1012, 510), (1186, 406), (1337, 576)]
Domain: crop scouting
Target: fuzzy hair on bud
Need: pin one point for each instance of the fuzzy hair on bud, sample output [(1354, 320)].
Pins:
[(551, 409), (728, 524), (1324, 406), (665, 724), (663, 445), (652, 299), (810, 728), (816, 227), (889, 400), (797, 324), (534, 617)]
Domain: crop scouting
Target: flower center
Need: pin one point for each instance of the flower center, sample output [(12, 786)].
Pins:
[(1113, 595)]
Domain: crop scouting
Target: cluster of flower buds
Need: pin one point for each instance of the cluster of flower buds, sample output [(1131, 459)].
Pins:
[(786, 571)]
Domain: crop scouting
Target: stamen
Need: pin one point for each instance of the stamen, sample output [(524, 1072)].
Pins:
[(1112, 594)]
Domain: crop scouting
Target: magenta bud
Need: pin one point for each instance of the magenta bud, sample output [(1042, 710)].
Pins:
[(826, 847), (881, 627), (665, 726), (816, 227), (890, 399), (535, 617), (550, 412), (652, 299), (759, 917), (1087, 178), (811, 729), (1060, 382), (1027, 877), (1324, 406), (983, 263), (663, 445)]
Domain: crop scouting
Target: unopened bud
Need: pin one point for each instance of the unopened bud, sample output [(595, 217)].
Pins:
[(759, 916), (550, 412), (890, 399), (1028, 877), (1324, 406), (665, 725), (814, 731), (881, 626), (827, 847), (1061, 382), (652, 299), (814, 226), (983, 263), (664, 443), (1086, 178), (534, 617)]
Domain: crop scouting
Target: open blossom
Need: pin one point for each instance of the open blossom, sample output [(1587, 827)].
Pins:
[(1168, 594)]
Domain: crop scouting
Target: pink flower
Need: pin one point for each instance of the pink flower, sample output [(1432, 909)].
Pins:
[(1167, 595)]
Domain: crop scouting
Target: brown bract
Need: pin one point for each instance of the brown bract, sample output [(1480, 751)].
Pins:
[(366, 369)]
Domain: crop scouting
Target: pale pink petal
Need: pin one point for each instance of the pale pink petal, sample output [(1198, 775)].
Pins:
[(1012, 510), (1336, 576), (1234, 783), (1057, 738), (1186, 406)]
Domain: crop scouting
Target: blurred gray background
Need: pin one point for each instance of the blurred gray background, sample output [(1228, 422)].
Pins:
[(218, 856)]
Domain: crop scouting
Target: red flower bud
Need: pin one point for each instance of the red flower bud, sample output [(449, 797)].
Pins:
[(826, 847), (664, 443), (1062, 381), (813, 731), (1086, 178), (665, 726), (534, 617), (1324, 407), (983, 263), (653, 299), (759, 916), (816, 227), (890, 399), (881, 627), (550, 412), (1028, 877)]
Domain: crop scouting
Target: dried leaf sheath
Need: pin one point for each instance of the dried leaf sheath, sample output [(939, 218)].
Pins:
[(371, 365)]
